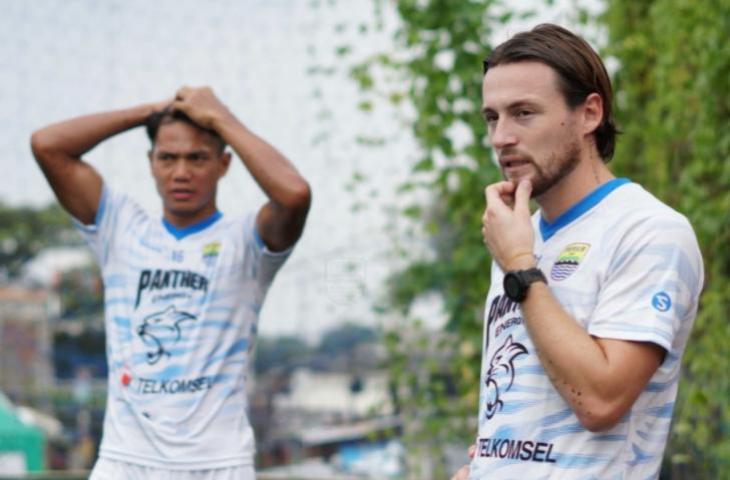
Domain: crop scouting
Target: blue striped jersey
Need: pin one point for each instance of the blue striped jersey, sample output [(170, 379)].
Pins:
[(624, 266), (181, 310)]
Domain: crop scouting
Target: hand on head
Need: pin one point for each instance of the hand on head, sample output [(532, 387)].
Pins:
[(201, 105), (162, 105)]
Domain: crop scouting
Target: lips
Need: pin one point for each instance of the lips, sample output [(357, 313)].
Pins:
[(511, 162), (181, 194), (513, 165)]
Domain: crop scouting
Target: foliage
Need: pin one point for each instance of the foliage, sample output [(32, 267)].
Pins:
[(672, 104), (80, 290), (24, 231), (674, 107), (437, 76)]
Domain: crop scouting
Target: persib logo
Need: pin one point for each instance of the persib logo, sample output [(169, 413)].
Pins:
[(569, 260), (210, 252)]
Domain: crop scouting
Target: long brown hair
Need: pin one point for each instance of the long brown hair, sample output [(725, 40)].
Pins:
[(580, 71)]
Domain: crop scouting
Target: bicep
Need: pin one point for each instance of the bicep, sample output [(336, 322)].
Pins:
[(631, 365), (278, 227), (76, 184)]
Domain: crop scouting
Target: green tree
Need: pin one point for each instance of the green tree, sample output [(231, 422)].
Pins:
[(673, 105), (672, 96), (24, 231), (437, 75), (80, 290)]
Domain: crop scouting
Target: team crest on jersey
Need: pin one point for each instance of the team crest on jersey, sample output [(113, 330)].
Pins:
[(568, 261), (210, 252)]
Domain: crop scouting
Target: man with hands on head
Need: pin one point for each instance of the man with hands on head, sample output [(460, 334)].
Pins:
[(182, 293), (592, 298)]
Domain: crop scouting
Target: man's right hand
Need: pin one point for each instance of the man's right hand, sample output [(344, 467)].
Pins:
[(463, 472), (202, 106)]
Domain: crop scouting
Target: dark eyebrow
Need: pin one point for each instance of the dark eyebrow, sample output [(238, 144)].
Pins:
[(516, 104), (200, 151), (521, 103)]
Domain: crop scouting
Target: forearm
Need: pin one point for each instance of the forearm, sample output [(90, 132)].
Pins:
[(72, 138), (573, 360), (276, 176), (599, 378)]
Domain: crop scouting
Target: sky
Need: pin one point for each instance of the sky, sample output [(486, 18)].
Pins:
[(62, 58)]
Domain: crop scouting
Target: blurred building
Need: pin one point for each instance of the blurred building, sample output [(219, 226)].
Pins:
[(335, 397), (26, 315), (336, 421)]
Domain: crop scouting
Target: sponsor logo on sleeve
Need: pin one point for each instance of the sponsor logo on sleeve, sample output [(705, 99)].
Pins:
[(661, 301)]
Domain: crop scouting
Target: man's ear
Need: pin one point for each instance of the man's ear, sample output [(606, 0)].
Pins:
[(225, 159), (592, 113)]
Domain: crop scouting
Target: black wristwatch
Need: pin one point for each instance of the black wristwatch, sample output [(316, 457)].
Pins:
[(517, 282)]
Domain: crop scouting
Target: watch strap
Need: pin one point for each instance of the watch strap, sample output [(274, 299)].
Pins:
[(531, 275), (517, 282)]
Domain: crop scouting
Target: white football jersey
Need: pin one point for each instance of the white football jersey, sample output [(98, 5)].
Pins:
[(624, 266), (181, 308)]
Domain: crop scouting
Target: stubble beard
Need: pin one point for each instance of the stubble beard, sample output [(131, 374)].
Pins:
[(558, 166)]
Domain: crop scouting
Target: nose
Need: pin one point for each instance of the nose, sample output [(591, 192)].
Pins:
[(180, 171), (501, 135)]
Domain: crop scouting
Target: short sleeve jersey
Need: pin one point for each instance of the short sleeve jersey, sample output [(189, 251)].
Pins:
[(181, 309), (624, 266)]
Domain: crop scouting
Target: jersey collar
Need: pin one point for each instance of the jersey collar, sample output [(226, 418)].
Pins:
[(548, 229), (180, 233)]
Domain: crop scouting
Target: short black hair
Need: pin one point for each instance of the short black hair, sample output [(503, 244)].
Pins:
[(580, 71), (167, 115)]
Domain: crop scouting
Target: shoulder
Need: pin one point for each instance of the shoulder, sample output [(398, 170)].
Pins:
[(114, 200), (632, 209), (114, 208), (237, 228), (634, 201), (642, 225)]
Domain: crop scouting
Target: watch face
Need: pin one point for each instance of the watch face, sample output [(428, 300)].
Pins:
[(512, 286)]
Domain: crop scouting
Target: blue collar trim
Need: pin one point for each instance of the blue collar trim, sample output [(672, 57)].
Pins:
[(547, 230), (183, 232)]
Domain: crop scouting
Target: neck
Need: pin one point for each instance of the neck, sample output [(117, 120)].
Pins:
[(590, 173), (186, 219)]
